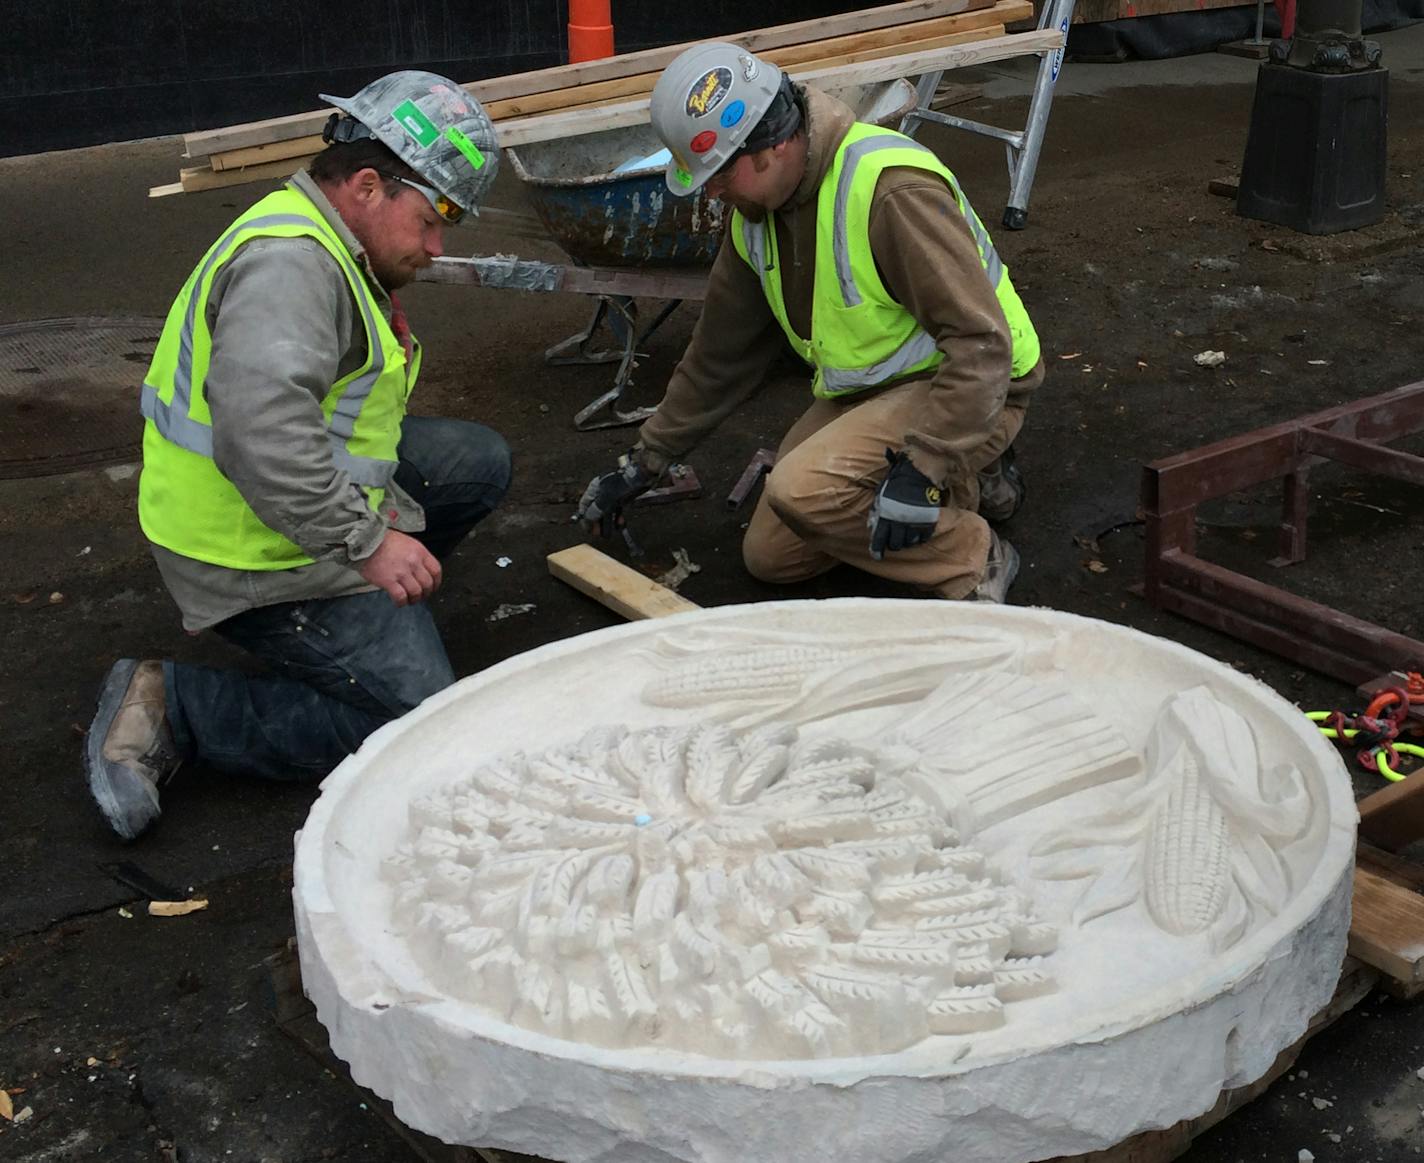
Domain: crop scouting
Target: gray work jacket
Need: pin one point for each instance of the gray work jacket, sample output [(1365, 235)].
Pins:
[(285, 328)]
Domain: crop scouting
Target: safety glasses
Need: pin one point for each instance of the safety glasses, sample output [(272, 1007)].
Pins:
[(440, 203)]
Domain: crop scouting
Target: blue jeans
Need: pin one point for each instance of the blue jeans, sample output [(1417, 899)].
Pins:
[(346, 665)]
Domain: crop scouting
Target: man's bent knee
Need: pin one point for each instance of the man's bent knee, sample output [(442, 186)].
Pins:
[(774, 554)]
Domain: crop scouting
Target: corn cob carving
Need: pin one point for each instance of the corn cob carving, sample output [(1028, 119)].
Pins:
[(748, 678), (1200, 842), (712, 891)]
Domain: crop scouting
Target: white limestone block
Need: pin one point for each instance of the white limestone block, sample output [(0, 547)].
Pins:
[(874, 879)]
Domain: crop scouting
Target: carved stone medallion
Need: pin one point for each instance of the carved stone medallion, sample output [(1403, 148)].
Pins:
[(876, 879)]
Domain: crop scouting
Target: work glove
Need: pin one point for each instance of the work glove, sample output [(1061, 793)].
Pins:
[(600, 509), (905, 509)]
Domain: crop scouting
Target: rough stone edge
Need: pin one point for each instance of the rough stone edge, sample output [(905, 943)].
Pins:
[(525, 1093)]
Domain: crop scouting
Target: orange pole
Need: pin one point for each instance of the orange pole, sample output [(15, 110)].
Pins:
[(590, 30)]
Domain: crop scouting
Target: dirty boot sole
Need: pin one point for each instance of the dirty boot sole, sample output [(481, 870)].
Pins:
[(129, 802)]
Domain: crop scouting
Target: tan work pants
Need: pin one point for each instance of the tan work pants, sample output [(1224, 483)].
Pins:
[(814, 509)]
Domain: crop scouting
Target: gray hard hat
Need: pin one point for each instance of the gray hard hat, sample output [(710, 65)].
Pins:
[(705, 106), (432, 125)]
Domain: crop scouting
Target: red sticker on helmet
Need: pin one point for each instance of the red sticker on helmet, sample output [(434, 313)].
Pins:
[(703, 141)]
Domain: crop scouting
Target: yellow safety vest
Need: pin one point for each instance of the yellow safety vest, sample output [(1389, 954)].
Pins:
[(185, 503), (860, 336)]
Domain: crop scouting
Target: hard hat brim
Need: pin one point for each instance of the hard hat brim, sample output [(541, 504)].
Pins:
[(673, 174)]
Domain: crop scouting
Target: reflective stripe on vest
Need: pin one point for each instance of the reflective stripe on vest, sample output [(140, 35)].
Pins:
[(850, 363), (174, 420), (850, 293), (186, 503)]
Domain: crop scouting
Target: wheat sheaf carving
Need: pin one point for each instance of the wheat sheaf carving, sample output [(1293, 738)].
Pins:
[(752, 894)]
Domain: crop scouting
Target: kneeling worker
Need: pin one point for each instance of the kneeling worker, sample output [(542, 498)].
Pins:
[(291, 503), (857, 246)]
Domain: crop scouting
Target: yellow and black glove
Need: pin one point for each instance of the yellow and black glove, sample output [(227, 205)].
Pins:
[(906, 507)]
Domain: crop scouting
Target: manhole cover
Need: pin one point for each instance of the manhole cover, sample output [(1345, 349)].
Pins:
[(69, 393)]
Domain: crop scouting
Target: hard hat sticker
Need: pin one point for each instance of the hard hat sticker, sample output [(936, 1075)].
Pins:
[(733, 113), (462, 142), (750, 68), (703, 141), (683, 177), (707, 91), (409, 116)]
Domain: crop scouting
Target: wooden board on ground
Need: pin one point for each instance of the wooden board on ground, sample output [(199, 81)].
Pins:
[(623, 590), (1394, 816), (1387, 924)]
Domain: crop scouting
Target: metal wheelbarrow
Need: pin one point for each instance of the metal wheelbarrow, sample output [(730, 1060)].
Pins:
[(602, 199)]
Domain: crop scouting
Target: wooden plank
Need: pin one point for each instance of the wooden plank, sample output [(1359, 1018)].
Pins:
[(1406, 873), (296, 147), (199, 178), (1394, 816), (208, 141), (547, 126), (615, 115), (817, 54), (1387, 930), (624, 591), (881, 42), (979, 52), (758, 40)]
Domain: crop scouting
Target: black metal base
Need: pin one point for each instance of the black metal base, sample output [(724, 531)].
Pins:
[(1315, 156)]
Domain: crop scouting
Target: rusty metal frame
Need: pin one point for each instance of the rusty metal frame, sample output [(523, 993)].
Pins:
[(1307, 632)]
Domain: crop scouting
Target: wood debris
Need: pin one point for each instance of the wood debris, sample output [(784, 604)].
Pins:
[(175, 908)]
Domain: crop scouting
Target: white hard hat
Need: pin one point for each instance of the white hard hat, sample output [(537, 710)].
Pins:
[(706, 105), (432, 125)]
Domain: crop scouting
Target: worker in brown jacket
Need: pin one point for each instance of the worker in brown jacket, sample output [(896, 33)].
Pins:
[(857, 246)]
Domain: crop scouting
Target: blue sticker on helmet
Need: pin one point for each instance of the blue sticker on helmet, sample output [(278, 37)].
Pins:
[(733, 113)]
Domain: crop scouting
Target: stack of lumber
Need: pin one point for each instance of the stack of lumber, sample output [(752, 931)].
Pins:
[(874, 44)]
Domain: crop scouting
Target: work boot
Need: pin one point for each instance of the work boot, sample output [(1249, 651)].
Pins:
[(999, 571), (1001, 488), (129, 753)]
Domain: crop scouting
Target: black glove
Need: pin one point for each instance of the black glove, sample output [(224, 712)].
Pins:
[(905, 509), (601, 507)]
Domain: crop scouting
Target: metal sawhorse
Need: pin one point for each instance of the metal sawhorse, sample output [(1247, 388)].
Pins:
[(1022, 147)]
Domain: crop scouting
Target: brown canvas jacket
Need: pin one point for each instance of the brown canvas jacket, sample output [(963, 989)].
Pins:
[(928, 260)]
